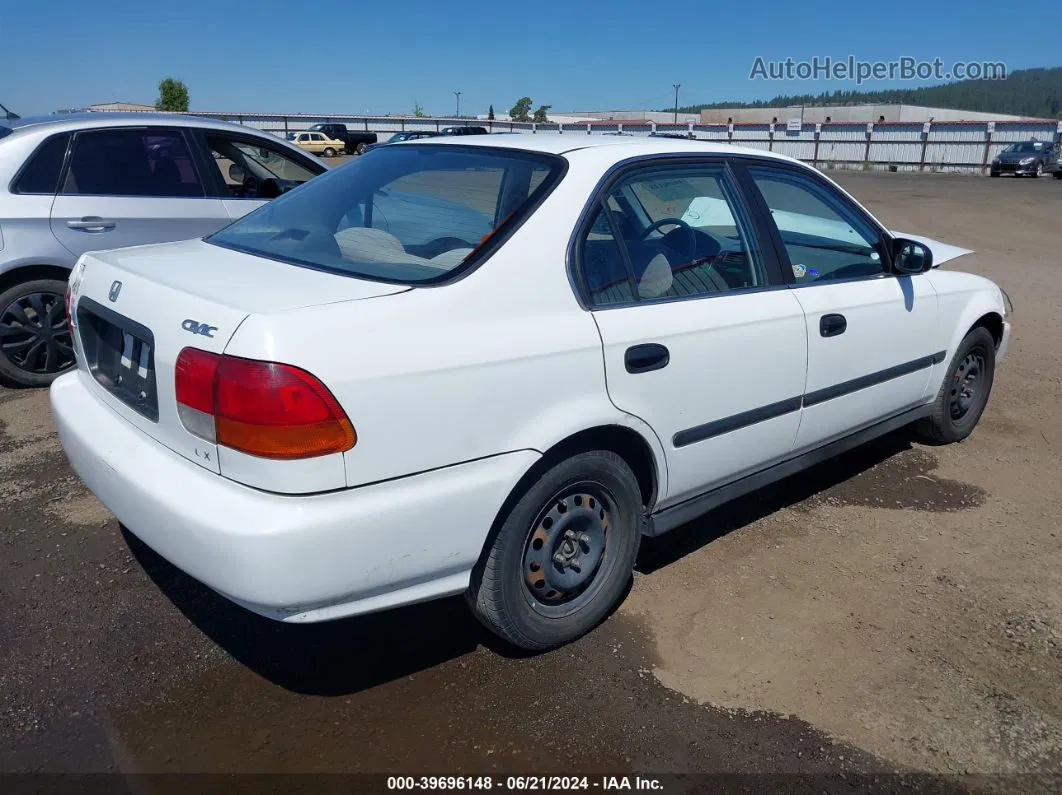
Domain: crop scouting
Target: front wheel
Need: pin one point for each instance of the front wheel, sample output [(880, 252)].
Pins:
[(329, 152), (35, 342), (1039, 170), (963, 395), (563, 554)]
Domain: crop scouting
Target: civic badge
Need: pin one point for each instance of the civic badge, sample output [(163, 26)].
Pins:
[(116, 287)]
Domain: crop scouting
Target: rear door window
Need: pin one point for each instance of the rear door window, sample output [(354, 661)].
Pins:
[(41, 172), (132, 162), (683, 233)]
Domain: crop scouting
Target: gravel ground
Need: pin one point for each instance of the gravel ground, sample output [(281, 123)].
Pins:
[(891, 620)]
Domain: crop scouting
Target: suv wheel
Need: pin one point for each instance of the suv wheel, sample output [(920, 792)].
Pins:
[(35, 342), (563, 555)]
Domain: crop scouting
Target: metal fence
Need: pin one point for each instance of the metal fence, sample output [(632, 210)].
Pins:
[(902, 146)]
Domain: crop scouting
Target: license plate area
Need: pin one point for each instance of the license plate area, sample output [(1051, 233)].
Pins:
[(120, 354)]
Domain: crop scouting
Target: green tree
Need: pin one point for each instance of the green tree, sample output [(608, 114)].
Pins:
[(418, 110), (490, 113), (540, 115), (173, 96), (521, 111)]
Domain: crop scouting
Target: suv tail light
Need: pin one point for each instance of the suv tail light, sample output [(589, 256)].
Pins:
[(264, 409)]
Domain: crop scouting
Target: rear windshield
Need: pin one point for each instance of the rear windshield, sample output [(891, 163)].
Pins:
[(409, 214)]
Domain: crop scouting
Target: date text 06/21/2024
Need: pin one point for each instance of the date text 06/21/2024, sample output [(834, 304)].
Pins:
[(524, 783)]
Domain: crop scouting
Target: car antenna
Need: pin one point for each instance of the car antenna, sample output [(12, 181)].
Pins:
[(8, 115)]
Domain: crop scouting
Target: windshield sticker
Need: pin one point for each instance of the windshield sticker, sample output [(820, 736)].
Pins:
[(670, 190)]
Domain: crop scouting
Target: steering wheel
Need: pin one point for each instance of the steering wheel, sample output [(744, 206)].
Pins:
[(269, 189), (690, 234), (250, 186)]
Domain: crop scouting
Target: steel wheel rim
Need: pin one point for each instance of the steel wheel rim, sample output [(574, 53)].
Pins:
[(566, 549), (966, 384), (35, 333)]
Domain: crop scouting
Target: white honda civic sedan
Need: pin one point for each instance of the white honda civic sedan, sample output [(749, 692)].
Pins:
[(491, 365)]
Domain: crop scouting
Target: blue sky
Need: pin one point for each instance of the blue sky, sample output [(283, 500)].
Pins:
[(381, 57)]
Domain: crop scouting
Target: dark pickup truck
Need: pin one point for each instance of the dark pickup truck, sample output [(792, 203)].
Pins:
[(355, 141)]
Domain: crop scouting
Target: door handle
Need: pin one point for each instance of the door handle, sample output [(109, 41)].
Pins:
[(644, 358), (832, 325), (92, 223)]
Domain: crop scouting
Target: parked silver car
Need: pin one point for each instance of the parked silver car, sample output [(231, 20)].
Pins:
[(90, 181)]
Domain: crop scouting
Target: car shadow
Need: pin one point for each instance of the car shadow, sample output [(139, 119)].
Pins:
[(330, 658), (664, 550)]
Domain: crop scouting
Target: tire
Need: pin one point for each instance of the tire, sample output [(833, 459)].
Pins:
[(953, 418), (37, 356), (993, 173), (1057, 174), (329, 152), (359, 149), (603, 511), (1039, 171)]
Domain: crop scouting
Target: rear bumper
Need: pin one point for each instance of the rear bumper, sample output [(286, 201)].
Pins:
[(292, 558)]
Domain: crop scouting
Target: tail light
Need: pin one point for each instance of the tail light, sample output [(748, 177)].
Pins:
[(264, 409)]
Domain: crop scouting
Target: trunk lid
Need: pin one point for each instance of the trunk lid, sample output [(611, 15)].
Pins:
[(137, 308)]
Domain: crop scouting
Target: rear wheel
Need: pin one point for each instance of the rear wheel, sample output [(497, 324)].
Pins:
[(964, 393), (359, 149), (35, 342), (563, 555), (1057, 175)]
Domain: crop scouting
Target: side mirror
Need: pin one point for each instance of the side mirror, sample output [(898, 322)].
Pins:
[(910, 257), (237, 174)]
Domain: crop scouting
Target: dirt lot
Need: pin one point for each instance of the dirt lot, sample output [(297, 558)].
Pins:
[(899, 609)]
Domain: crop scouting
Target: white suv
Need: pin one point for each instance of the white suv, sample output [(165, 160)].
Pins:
[(75, 183), (490, 365)]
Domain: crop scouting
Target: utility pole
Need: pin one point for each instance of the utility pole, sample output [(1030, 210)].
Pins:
[(458, 95), (677, 86)]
